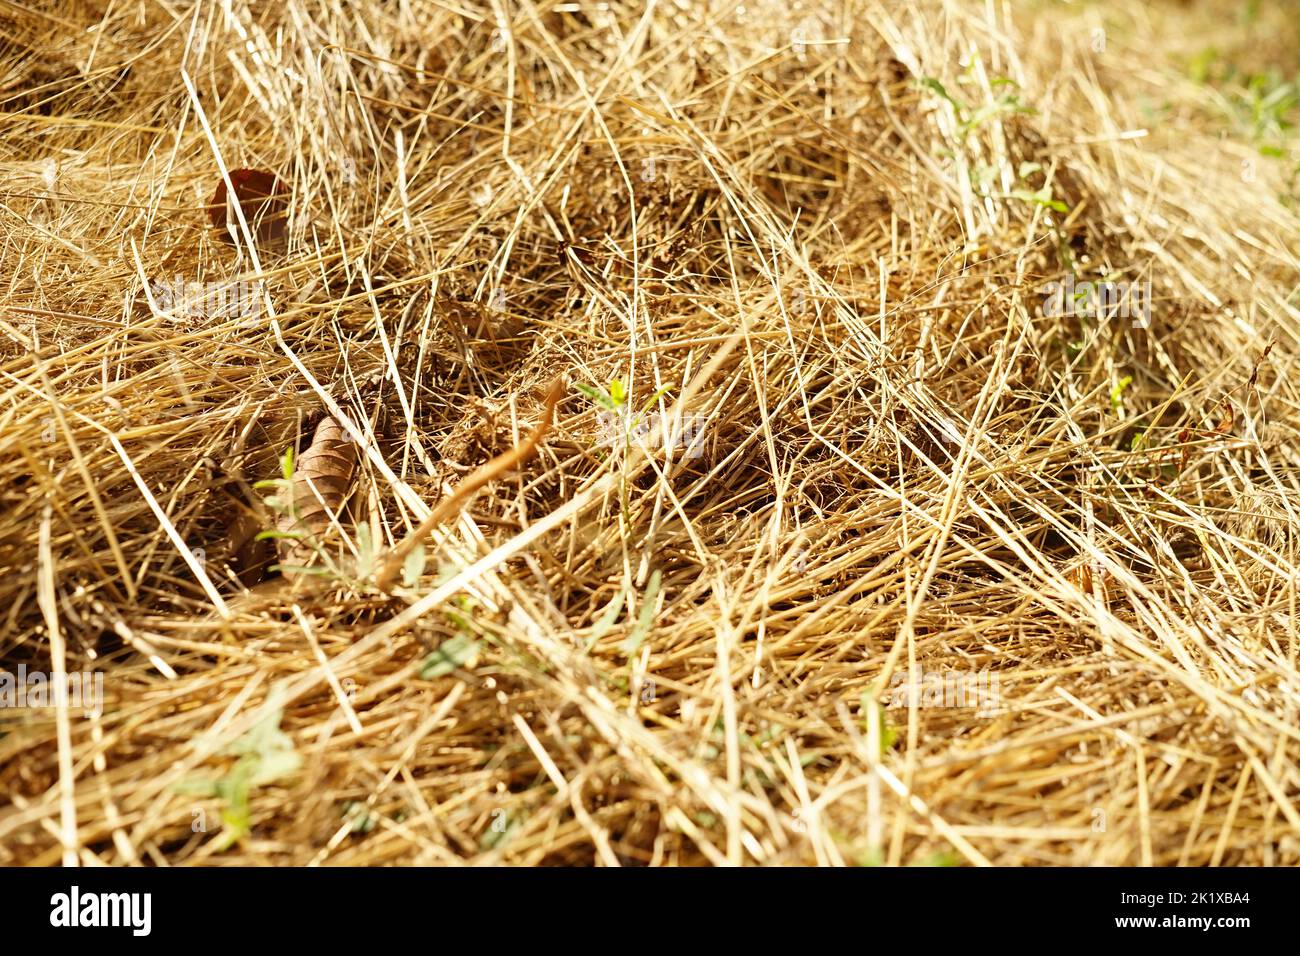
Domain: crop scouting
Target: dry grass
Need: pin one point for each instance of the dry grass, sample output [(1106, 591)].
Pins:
[(759, 216)]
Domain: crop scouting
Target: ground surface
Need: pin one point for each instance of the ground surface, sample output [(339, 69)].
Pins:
[(854, 539)]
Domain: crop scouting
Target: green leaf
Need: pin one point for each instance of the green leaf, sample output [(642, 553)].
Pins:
[(413, 566), (930, 83), (451, 654), (653, 398), (607, 619), (1200, 65), (195, 787), (888, 735), (275, 765), (365, 550), (1041, 197), (286, 464), (645, 617), (269, 535), (359, 816), (264, 736), (235, 814), (1117, 393), (598, 396)]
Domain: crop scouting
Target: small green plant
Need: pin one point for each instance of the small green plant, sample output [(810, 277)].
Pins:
[(1260, 107), (1265, 108), (282, 502), (614, 402), (971, 117), (984, 176), (460, 650), (611, 399), (266, 754), (1040, 197), (1117, 394)]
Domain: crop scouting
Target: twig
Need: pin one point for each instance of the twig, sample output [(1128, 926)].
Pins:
[(492, 470)]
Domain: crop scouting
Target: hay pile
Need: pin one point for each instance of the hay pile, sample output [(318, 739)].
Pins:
[(894, 558)]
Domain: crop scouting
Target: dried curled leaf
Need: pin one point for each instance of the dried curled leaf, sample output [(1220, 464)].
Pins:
[(261, 196), (322, 480), (494, 322)]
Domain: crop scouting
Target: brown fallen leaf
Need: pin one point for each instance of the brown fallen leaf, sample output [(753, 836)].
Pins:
[(262, 198), (322, 480), (482, 323)]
